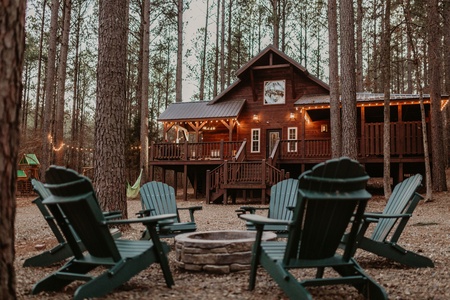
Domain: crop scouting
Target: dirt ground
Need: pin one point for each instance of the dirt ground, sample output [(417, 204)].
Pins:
[(427, 233)]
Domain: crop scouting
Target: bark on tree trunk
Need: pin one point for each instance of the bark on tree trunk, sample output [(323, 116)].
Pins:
[(435, 56), (49, 90), (109, 155), (59, 122), (335, 106), (12, 46), (145, 83), (203, 65), (348, 80), (386, 79), (179, 75)]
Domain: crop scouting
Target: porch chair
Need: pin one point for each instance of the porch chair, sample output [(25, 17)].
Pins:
[(73, 197), (159, 198), (283, 197), (330, 196), (391, 223), (62, 250)]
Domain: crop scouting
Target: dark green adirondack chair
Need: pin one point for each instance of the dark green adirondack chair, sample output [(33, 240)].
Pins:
[(331, 196), (115, 261), (283, 197), (391, 223), (62, 250), (159, 198)]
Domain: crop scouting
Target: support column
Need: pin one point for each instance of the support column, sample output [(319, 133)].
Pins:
[(185, 183)]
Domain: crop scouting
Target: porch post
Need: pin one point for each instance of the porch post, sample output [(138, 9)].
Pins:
[(362, 143), (263, 190), (185, 182), (303, 112)]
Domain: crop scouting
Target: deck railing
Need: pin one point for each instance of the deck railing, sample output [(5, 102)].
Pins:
[(406, 139), (194, 151), (247, 173)]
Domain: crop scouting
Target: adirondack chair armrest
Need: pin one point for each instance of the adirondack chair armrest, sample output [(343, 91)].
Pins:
[(114, 214), (261, 220), (375, 217), (249, 209), (145, 220), (144, 212), (191, 209)]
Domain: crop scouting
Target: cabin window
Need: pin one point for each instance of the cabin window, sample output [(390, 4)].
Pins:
[(256, 138), (292, 136)]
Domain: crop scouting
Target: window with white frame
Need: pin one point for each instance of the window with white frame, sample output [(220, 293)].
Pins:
[(292, 136), (256, 140)]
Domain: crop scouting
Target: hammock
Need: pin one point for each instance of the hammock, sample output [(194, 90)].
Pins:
[(133, 190)]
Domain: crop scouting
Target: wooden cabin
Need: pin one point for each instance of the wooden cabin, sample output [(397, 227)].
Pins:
[(28, 169), (273, 122)]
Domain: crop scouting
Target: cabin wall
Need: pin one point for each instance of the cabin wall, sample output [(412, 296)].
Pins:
[(272, 117)]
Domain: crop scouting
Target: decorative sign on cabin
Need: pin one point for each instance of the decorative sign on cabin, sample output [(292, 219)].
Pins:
[(274, 92)]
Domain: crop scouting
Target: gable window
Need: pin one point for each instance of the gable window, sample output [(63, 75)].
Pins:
[(292, 136), (256, 140), (274, 92)]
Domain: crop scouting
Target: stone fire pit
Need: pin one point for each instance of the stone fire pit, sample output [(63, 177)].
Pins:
[(222, 251)]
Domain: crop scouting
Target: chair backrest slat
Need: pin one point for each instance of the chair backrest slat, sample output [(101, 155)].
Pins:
[(160, 197), (329, 196), (399, 202), (283, 195), (74, 195)]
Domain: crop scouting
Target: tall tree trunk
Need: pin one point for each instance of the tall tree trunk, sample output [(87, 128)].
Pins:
[(413, 47), (49, 89), (109, 153), (435, 56), (348, 80), (12, 47), (386, 79), (38, 83), (145, 83), (359, 47), (446, 112), (275, 23), (179, 75), (229, 36), (59, 122), (216, 62), (203, 64), (74, 155), (335, 106), (222, 48)]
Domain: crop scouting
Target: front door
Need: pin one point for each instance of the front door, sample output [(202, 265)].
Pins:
[(272, 136)]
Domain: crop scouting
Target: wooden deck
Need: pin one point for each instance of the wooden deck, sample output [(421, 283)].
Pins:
[(227, 166)]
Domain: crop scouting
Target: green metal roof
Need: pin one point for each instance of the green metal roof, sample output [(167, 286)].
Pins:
[(29, 159), (21, 174)]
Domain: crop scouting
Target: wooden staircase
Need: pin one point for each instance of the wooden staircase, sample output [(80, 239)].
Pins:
[(232, 176)]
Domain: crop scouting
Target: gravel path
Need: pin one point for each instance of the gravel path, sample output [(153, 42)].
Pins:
[(428, 232)]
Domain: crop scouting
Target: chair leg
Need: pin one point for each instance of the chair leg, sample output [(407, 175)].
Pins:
[(161, 256), (394, 253), (256, 254), (54, 282), (47, 258), (368, 287), (319, 273), (288, 283)]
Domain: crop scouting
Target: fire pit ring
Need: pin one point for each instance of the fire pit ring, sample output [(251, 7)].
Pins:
[(221, 251)]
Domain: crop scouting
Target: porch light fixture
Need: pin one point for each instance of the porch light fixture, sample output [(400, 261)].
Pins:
[(324, 128), (292, 116), (255, 118)]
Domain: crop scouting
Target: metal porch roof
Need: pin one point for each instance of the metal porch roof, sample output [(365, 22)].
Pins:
[(360, 97), (202, 110)]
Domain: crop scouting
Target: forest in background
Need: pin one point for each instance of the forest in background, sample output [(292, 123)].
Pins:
[(233, 32)]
